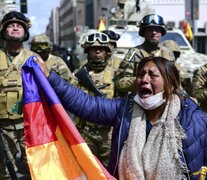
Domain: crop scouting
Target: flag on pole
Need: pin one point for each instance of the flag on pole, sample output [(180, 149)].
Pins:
[(101, 26), (54, 147), (188, 31)]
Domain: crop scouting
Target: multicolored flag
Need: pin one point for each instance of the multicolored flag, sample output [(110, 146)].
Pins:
[(54, 147), (187, 30)]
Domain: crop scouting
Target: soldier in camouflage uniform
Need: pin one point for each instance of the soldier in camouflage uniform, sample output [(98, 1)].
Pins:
[(199, 86), (43, 46), (98, 52), (152, 27), (14, 31), (185, 79), (114, 61)]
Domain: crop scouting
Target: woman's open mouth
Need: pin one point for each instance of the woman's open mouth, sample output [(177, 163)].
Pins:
[(145, 93)]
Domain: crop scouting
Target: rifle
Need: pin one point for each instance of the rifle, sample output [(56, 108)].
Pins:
[(131, 59), (9, 163), (86, 81)]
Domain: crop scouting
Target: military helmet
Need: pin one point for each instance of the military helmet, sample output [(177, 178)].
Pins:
[(97, 40), (18, 17), (151, 20), (113, 37), (173, 46), (40, 42)]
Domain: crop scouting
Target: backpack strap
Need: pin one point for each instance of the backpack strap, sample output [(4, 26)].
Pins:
[(3, 59)]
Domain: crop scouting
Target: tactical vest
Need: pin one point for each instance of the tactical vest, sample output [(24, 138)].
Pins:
[(11, 85), (103, 80), (114, 62)]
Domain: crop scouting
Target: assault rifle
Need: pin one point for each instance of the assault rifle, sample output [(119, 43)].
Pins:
[(86, 81), (9, 163)]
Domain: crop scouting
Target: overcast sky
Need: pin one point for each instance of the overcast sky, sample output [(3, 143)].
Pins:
[(39, 12)]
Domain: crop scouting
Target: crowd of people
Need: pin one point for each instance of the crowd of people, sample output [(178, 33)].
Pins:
[(153, 122)]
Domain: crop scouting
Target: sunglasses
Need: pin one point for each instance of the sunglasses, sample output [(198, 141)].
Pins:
[(40, 46), (153, 19), (101, 37)]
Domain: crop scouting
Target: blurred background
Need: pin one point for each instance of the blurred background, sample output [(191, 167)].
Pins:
[(65, 21)]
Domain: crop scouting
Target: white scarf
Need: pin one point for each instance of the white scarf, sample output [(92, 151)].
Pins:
[(158, 157)]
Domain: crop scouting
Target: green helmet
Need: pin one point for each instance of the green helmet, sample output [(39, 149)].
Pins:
[(97, 40), (40, 43), (18, 17), (151, 20)]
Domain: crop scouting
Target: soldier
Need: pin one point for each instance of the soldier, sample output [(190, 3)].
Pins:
[(41, 45), (185, 79), (152, 28), (14, 31), (98, 52), (199, 86), (114, 61)]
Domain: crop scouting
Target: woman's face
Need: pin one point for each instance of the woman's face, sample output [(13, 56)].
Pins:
[(149, 80)]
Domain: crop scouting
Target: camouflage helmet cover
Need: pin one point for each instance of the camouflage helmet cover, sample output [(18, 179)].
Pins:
[(151, 20), (18, 17), (40, 39), (97, 42), (172, 45)]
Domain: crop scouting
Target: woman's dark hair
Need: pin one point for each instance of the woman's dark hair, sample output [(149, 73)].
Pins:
[(168, 71)]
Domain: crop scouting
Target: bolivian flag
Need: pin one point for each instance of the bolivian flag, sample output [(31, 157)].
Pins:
[(55, 149)]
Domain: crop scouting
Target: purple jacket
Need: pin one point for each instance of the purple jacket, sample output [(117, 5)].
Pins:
[(117, 113)]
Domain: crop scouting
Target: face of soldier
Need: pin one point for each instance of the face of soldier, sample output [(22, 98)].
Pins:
[(97, 53), (15, 30), (153, 34), (44, 54), (149, 81)]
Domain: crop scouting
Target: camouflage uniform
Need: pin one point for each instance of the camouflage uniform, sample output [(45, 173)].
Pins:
[(127, 70), (185, 79), (43, 46), (11, 118), (114, 61), (98, 137), (199, 86)]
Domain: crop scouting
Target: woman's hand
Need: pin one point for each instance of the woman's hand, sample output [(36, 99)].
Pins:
[(43, 65)]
